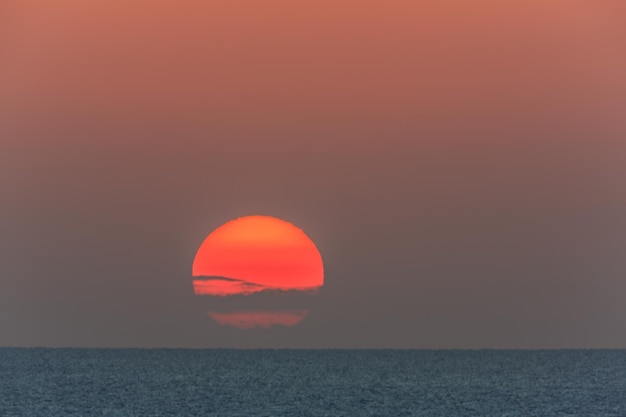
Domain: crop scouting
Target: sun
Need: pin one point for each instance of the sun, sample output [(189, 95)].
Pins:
[(257, 253)]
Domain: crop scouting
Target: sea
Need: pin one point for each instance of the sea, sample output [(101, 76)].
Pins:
[(394, 383)]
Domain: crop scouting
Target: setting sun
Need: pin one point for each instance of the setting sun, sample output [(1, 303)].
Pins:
[(256, 253)]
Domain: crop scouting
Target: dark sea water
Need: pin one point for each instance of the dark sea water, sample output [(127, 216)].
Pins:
[(178, 382)]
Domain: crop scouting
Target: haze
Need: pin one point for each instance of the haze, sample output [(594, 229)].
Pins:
[(460, 166)]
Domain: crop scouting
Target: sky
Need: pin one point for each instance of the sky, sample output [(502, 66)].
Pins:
[(459, 165)]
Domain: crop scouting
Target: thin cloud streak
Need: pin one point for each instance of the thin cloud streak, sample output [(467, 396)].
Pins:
[(223, 287)]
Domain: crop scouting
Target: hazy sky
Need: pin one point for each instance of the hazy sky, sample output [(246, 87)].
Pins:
[(461, 166)]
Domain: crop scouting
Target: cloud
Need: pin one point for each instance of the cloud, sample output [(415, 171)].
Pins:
[(223, 287)]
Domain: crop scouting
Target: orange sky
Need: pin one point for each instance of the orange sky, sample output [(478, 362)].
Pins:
[(468, 154), (255, 64)]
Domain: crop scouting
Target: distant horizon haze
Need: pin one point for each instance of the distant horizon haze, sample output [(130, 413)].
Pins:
[(460, 167)]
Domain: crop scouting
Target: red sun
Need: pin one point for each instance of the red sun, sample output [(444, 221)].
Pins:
[(253, 254)]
